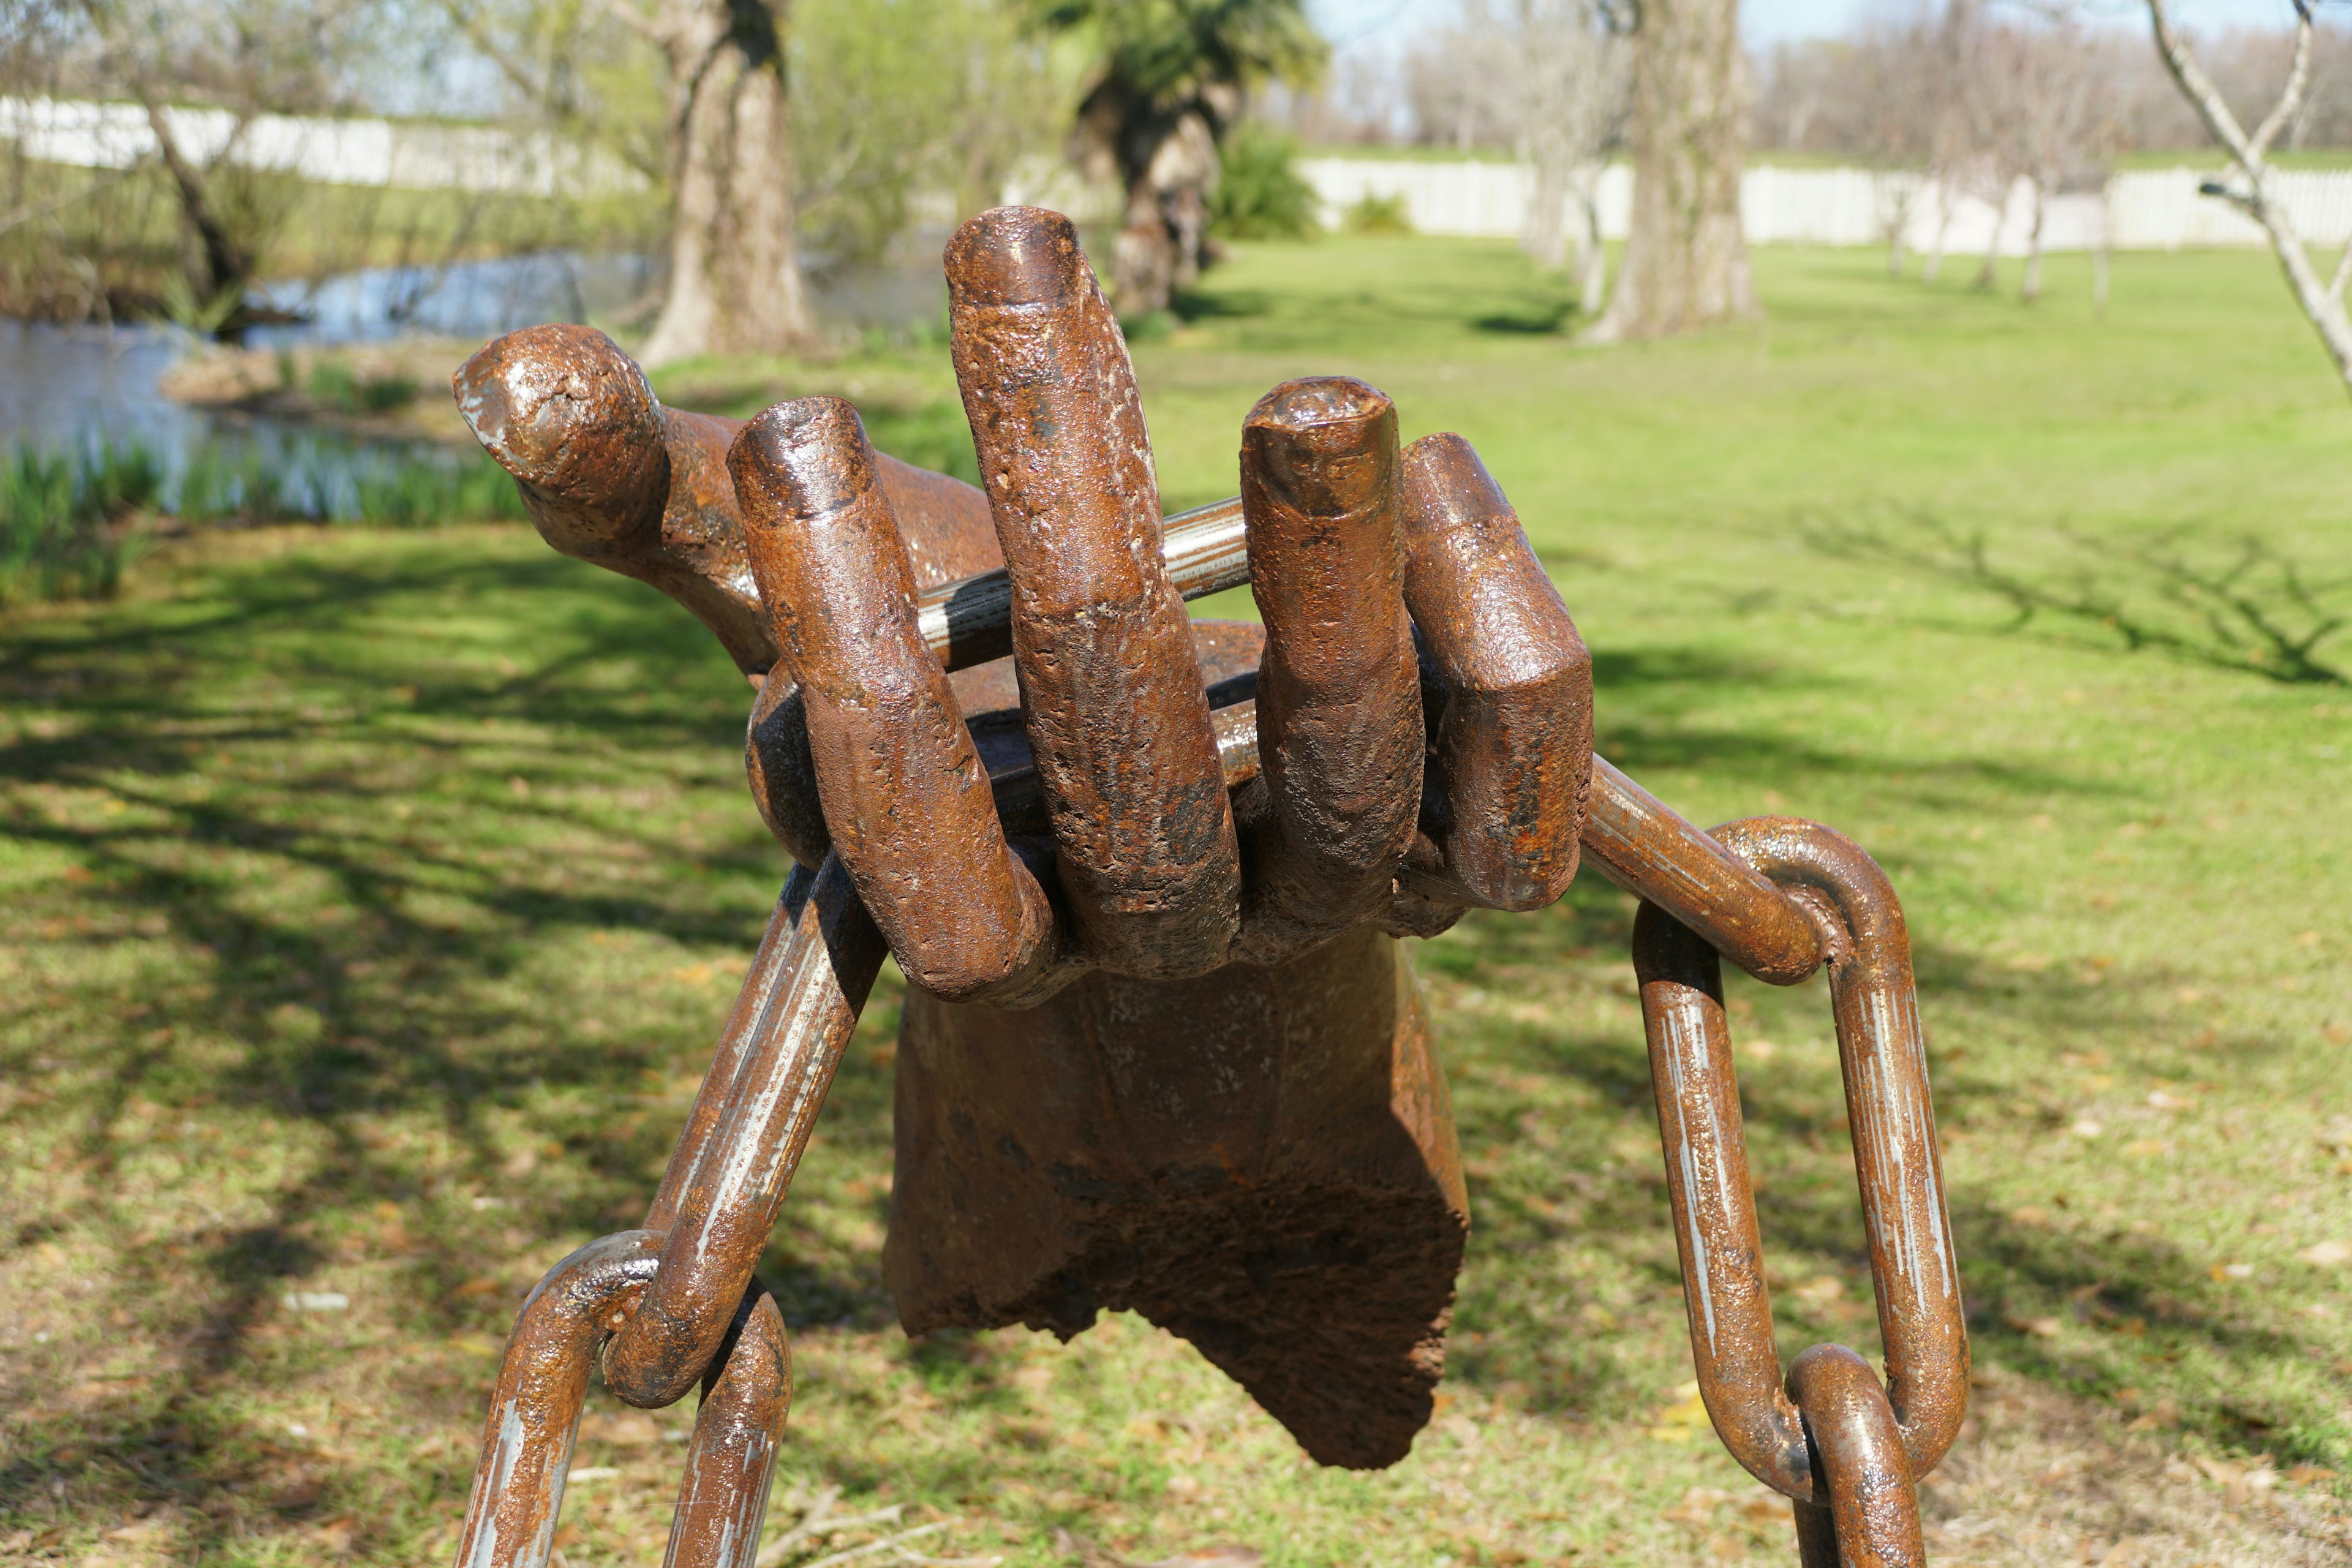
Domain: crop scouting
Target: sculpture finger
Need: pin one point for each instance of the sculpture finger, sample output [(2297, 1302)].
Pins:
[(1110, 691), (905, 796), (1511, 754), (610, 475), (1338, 694)]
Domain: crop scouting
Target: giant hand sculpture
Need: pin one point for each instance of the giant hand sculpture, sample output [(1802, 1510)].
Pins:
[(1163, 1050)]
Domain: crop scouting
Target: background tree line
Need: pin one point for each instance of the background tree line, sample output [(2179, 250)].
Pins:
[(772, 145)]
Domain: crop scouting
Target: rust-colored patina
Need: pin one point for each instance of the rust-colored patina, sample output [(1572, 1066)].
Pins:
[(1867, 1472), (1162, 1050), (534, 1415), (1110, 693)]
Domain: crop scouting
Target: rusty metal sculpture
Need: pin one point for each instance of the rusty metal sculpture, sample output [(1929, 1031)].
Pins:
[(1163, 1050)]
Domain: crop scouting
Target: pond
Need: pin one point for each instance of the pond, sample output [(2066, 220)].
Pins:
[(93, 385)]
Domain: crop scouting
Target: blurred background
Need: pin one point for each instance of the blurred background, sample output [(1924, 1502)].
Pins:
[(241, 244), (1936, 419)]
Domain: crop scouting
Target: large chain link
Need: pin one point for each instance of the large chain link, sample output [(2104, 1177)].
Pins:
[(1848, 1451), (678, 1302)]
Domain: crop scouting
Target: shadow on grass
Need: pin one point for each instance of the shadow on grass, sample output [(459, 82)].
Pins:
[(1194, 305), (1539, 321), (336, 833), (1648, 700), (2243, 606), (1572, 1227), (392, 854)]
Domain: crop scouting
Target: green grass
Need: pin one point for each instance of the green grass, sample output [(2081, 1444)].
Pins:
[(375, 899)]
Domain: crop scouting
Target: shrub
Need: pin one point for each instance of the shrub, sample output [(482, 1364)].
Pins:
[(1379, 214), (1260, 192)]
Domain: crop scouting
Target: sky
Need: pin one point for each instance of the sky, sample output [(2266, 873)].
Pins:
[(1388, 23)]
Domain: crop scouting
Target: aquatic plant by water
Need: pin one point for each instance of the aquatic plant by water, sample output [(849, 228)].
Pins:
[(379, 487), (73, 519), (68, 519)]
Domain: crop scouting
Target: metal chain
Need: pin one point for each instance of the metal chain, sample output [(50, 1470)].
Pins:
[(1849, 1451), (677, 1301)]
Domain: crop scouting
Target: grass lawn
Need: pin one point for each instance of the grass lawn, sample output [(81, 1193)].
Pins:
[(374, 901)]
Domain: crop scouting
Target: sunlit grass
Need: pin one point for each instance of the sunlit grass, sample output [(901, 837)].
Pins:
[(373, 902)]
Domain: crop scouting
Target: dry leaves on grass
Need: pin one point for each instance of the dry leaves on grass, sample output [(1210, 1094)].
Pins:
[(820, 1527), (2040, 1477), (1087, 1553)]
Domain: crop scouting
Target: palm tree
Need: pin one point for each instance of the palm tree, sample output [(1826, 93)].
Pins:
[(1166, 84)]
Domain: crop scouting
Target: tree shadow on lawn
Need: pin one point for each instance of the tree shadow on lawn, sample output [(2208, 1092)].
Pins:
[(450, 1035), (1543, 319), (1645, 700), (345, 882), (1558, 1132)]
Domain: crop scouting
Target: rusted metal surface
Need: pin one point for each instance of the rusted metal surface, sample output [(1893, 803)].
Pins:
[(1898, 1165), (1339, 693), (1111, 696), (1163, 1050), (1285, 1192), (1509, 689), (535, 1405), (534, 1417), (1868, 1481), (1874, 1499), (721, 1211), (610, 475), (1657, 857), (903, 786), (732, 1458)]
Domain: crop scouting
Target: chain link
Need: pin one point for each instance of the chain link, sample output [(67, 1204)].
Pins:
[(1833, 1439)]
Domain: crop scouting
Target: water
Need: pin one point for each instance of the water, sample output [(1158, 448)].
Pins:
[(89, 385), (63, 387), (468, 300)]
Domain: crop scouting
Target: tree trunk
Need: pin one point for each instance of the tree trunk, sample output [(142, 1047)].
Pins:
[(2099, 251), (1935, 262), (1546, 236), (1170, 165), (1900, 206), (229, 263), (1988, 275), (1591, 262), (735, 282), (1685, 262), (2028, 288)]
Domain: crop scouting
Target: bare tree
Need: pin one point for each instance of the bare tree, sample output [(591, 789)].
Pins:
[(2261, 197), (1878, 97), (1458, 81), (1572, 70), (1685, 262), (1898, 95), (1546, 79), (242, 57)]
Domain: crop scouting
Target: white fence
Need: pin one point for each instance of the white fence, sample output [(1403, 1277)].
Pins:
[(2150, 209), (2154, 209), (416, 154)]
